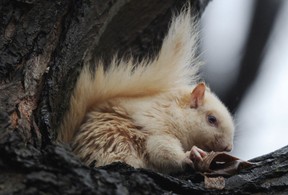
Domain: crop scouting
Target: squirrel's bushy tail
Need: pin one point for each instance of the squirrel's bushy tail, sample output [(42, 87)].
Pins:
[(175, 66)]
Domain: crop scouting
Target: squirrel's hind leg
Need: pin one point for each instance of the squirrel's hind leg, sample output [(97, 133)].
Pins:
[(105, 138)]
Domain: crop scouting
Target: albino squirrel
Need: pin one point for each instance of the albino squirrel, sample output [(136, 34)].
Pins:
[(152, 114)]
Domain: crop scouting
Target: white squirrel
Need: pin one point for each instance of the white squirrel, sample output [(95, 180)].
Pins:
[(152, 114)]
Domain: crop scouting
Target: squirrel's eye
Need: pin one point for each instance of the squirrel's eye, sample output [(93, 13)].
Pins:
[(212, 120)]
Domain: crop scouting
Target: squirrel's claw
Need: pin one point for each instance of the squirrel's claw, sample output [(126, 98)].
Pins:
[(194, 155), (197, 154)]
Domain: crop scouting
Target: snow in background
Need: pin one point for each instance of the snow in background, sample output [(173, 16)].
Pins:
[(262, 119)]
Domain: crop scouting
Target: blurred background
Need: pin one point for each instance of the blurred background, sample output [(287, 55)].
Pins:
[(245, 49)]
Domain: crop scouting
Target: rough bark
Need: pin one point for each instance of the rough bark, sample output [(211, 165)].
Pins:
[(55, 170), (43, 44)]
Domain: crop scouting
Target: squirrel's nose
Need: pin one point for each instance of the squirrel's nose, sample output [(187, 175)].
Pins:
[(228, 148)]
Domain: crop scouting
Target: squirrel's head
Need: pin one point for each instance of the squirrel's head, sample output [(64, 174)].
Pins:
[(212, 124)]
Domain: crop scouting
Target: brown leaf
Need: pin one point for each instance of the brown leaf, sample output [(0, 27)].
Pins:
[(220, 164)]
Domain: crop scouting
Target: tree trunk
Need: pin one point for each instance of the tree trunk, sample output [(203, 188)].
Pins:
[(55, 170), (43, 44)]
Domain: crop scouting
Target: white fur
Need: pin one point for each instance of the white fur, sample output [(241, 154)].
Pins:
[(175, 66), (147, 108)]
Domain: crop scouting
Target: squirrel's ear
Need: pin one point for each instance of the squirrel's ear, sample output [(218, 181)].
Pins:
[(197, 95)]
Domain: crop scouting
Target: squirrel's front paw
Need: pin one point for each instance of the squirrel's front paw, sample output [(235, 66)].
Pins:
[(187, 161), (197, 154), (193, 156)]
